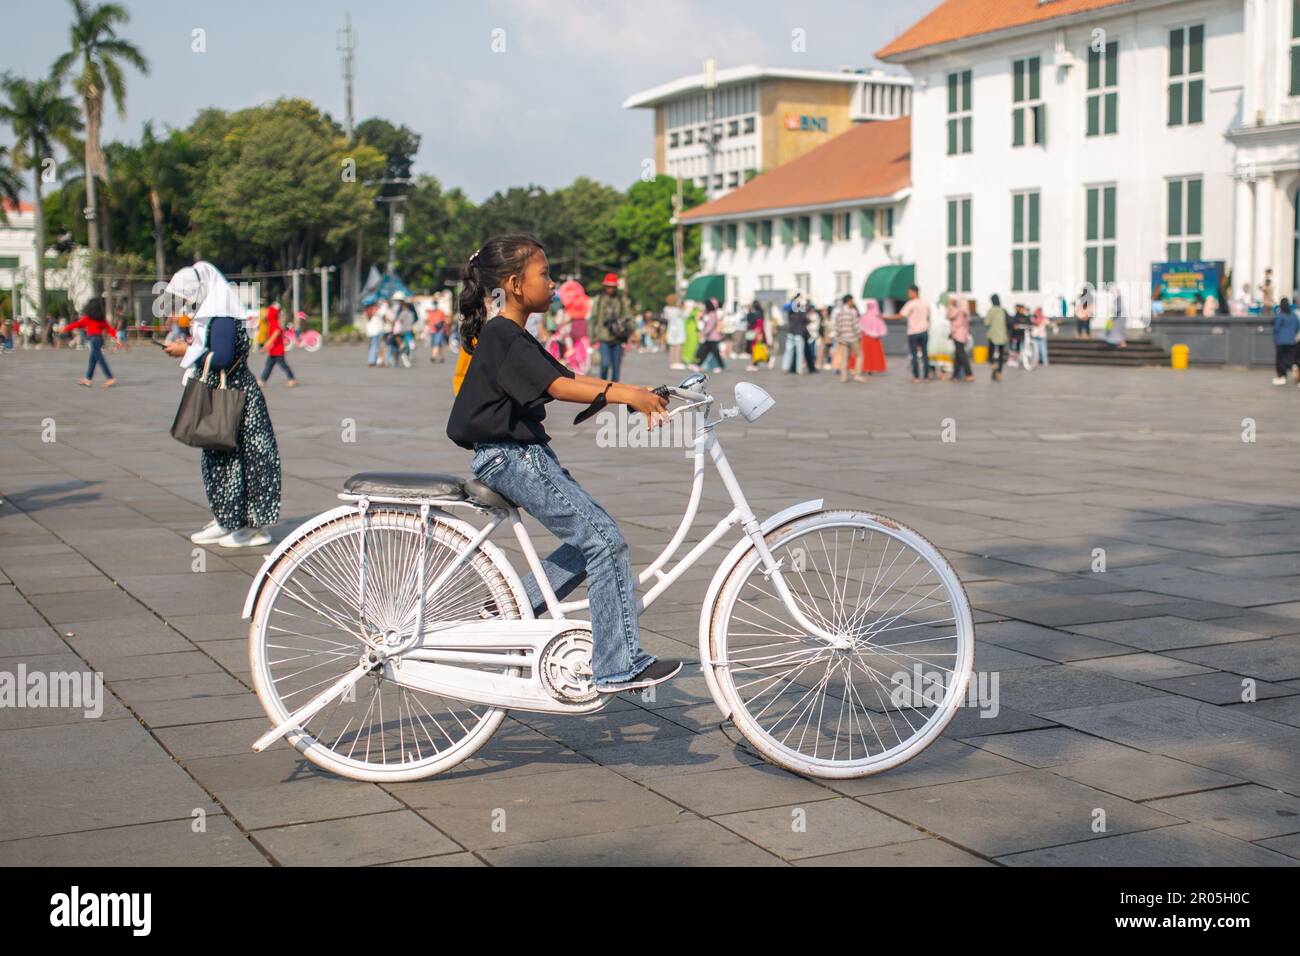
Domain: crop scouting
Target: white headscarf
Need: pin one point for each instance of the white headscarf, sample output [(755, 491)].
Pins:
[(203, 283)]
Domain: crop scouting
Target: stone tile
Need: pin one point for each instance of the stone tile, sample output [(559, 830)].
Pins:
[(1169, 724), (928, 852), (818, 828), (977, 722), (1139, 776), (490, 811), (1049, 811), (692, 842), (1183, 845), (1166, 633), (1142, 668), (1276, 659), (1247, 812), (200, 710), (944, 761), (1218, 687), (355, 841), (1049, 748), (1044, 642), (1288, 845), (447, 859), (1044, 689), (740, 788), (171, 843), (18, 642), (688, 753)]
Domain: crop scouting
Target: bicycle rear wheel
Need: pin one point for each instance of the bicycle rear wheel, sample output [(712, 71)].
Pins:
[(310, 626), (851, 712)]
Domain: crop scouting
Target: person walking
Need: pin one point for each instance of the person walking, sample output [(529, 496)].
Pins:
[(436, 323), (796, 336), (611, 316), (95, 328), (995, 323), (873, 329), (243, 485), (275, 350), (917, 313), (375, 332), (675, 325), (1286, 328), (845, 324), (959, 330), (1038, 335), (754, 341), (1083, 315), (711, 346)]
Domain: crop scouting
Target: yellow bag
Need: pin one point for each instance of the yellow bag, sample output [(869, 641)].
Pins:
[(462, 366), (760, 353)]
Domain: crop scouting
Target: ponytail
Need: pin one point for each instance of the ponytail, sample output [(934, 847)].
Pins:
[(487, 269)]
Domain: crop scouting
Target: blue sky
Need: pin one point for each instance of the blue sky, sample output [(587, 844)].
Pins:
[(544, 111)]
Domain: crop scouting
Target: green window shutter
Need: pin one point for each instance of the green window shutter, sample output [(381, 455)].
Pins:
[(1295, 71), (1033, 217), (965, 222), (966, 282), (1112, 63), (889, 221), (966, 85), (1196, 49), (952, 223), (1174, 224), (1018, 127), (1108, 213), (1193, 250), (787, 231), (1092, 230), (1107, 263), (766, 231), (952, 137), (1033, 271), (952, 270), (1193, 207), (1035, 88), (1094, 115), (1040, 125), (717, 237), (805, 229), (1112, 113), (1018, 81), (1176, 52), (1295, 19), (8, 262), (867, 223), (1196, 101), (1017, 273), (827, 227), (1094, 69), (1174, 251), (731, 235), (966, 143), (751, 235), (1018, 218), (1090, 265), (952, 92), (1175, 104)]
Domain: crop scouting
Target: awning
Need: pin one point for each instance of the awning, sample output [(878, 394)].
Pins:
[(703, 288), (889, 282)]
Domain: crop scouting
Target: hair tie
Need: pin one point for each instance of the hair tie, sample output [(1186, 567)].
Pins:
[(474, 255)]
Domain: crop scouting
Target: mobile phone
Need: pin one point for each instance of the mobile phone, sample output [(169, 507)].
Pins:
[(159, 342)]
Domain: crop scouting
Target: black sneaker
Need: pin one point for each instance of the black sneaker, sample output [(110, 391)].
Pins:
[(656, 673)]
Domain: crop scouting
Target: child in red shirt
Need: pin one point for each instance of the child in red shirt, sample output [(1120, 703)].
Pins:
[(92, 321), (275, 348)]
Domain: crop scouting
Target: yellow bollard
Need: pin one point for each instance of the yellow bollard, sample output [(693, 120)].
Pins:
[(980, 354), (1178, 356)]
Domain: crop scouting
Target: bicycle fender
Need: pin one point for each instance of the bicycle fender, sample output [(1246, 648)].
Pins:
[(728, 563)]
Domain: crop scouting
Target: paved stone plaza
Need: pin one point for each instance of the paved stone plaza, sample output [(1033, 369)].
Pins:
[(1120, 691)]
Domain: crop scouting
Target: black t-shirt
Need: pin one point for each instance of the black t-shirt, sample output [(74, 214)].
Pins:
[(503, 396)]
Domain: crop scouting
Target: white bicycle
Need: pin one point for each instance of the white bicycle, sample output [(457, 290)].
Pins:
[(389, 636)]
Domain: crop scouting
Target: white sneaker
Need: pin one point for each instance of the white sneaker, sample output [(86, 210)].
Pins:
[(1279, 381), (208, 533), (245, 538)]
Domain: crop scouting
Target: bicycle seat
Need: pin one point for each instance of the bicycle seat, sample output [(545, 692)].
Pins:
[(481, 494), (416, 486)]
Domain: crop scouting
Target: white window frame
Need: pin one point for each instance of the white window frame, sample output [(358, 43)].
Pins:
[(803, 282), (1029, 245), (1102, 90), (1186, 78), (959, 245), (1034, 121), (963, 117), (1185, 238), (1101, 243)]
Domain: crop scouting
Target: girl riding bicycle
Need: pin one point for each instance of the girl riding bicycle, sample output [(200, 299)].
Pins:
[(498, 413)]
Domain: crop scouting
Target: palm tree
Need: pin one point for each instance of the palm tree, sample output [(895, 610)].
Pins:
[(156, 172), (101, 52), (10, 185), (40, 116)]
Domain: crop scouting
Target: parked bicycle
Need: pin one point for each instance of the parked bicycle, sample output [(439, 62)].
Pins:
[(388, 637)]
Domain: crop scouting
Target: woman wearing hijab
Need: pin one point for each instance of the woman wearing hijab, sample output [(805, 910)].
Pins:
[(243, 486), (873, 331)]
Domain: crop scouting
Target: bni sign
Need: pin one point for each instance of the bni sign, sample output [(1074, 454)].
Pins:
[(799, 123)]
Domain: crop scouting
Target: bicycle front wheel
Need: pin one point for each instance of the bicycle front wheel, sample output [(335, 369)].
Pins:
[(852, 711), (311, 625)]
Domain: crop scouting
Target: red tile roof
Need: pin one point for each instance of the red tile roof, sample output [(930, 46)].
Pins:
[(22, 207), (962, 19), (871, 160)]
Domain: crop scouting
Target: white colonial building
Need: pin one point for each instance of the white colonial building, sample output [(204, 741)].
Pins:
[(833, 221), (66, 277), (1057, 142)]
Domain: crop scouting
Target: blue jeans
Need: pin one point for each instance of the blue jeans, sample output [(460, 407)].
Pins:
[(611, 360), (795, 355), (1041, 345), (97, 357), (533, 478), (373, 357), (918, 347)]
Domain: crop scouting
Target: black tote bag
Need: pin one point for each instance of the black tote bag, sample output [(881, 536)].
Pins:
[(209, 417)]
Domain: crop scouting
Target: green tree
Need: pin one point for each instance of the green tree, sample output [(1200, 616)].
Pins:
[(649, 281), (101, 53), (10, 184), (40, 116), (644, 224), (398, 144), (439, 234)]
